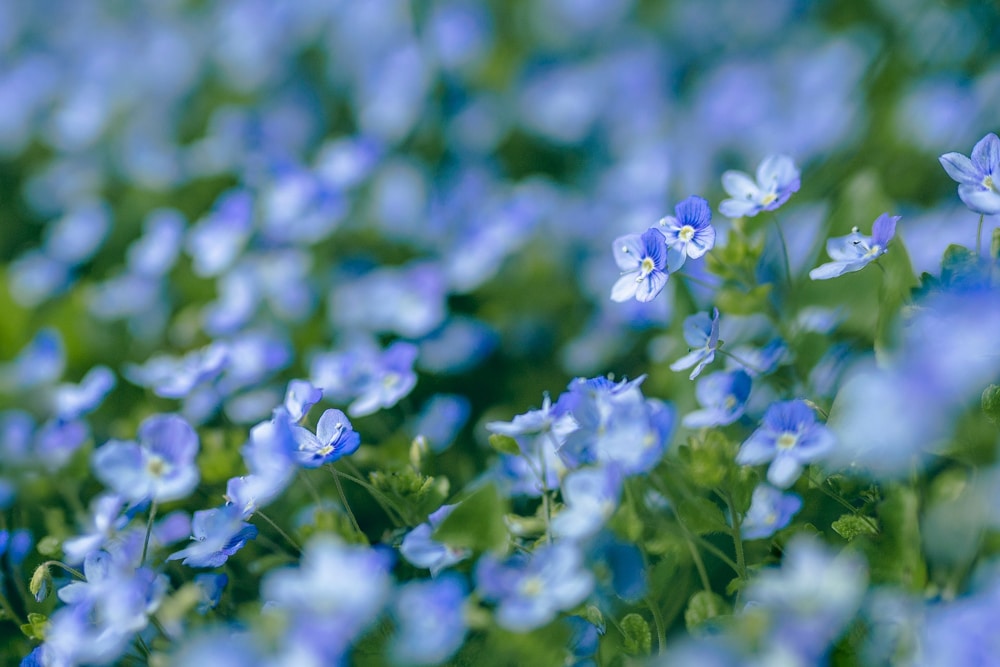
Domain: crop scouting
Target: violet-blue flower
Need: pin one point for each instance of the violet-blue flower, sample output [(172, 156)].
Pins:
[(690, 233), (856, 251), (529, 592), (977, 187), (591, 497), (790, 437), (777, 180), (334, 439), (702, 334), (770, 511), (723, 397), (431, 621), (643, 261), (422, 551), (160, 467), (218, 534)]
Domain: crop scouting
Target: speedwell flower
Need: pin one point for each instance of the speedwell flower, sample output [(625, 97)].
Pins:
[(335, 438), (643, 261), (690, 233), (856, 251), (976, 176), (777, 179), (790, 437), (702, 333)]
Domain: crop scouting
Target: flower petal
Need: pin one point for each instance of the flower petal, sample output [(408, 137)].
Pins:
[(961, 169), (986, 154)]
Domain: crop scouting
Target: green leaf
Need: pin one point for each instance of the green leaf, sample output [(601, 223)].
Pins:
[(991, 403), (638, 638), (961, 266), (477, 522), (35, 627), (895, 555), (703, 606), (740, 302), (709, 458), (505, 444), (702, 516), (850, 526)]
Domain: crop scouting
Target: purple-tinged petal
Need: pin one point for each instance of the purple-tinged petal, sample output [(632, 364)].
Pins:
[(784, 471), (986, 154), (961, 169)]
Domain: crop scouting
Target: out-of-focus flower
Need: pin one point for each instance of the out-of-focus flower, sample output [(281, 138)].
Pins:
[(789, 437), (856, 251), (218, 534), (770, 511), (777, 180), (431, 620), (643, 261), (420, 550), (723, 398), (591, 497), (160, 467), (975, 176), (702, 334), (530, 591)]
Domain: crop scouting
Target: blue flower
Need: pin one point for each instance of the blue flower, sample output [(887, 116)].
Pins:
[(789, 437), (856, 251), (334, 439), (74, 400), (431, 621), (643, 261), (702, 333), (770, 511), (218, 534), (691, 233), (976, 186), (299, 397), (160, 467), (777, 180), (530, 591), (723, 397), (420, 550), (591, 497)]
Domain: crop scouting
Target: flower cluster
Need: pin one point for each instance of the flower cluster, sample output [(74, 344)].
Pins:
[(280, 282)]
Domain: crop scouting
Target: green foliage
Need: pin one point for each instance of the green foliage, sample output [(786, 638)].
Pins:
[(991, 403), (408, 488), (895, 555), (505, 444), (638, 639), (850, 526), (41, 582), (702, 607), (35, 627), (702, 516), (477, 522)]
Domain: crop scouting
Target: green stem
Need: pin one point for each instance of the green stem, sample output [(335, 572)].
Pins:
[(388, 506), (347, 505), (741, 362), (281, 532), (149, 532), (784, 254), (661, 631), (741, 565), (717, 552), (843, 501), (63, 566)]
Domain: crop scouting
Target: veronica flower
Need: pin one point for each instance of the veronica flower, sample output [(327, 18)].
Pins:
[(643, 261), (431, 621), (218, 534), (591, 497), (777, 179), (690, 233), (770, 511), (702, 333), (422, 551), (160, 467), (856, 251), (790, 437), (530, 591), (723, 397), (975, 176), (334, 439)]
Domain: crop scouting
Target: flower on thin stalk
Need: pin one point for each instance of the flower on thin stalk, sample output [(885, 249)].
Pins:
[(856, 251), (702, 333), (334, 439), (643, 261), (777, 179), (976, 177), (690, 233), (789, 437)]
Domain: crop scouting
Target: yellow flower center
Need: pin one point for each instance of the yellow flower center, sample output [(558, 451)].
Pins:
[(787, 440), (989, 184), (768, 198), (686, 233)]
